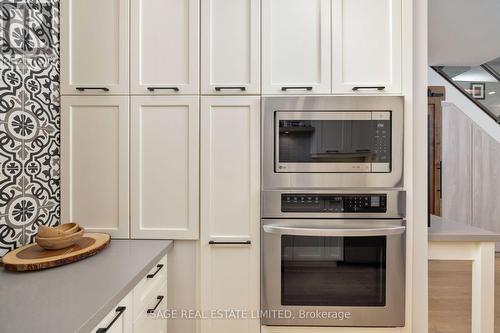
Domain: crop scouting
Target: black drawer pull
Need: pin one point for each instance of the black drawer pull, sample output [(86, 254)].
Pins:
[(159, 267), (119, 311), (230, 88), (163, 88), (379, 88), (159, 298), (229, 243), (296, 88), (92, 88)]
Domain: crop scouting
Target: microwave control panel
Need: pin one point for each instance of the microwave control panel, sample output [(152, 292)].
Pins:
[(334, 203)]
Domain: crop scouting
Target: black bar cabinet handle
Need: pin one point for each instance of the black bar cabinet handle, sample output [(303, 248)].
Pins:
[(92, 88), (379, 88), (296, 88), (230, 88), (159, 267), (163, 88), (229, 243), (440, 179), (119, 311), (159, 298)]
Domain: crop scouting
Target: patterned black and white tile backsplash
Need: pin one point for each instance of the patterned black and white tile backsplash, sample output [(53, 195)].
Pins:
[(29, 119)]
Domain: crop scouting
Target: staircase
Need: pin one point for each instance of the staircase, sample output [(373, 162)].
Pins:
[(470, 146), (481, 84)]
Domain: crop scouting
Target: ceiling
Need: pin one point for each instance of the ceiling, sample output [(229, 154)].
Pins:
[(463, 32)]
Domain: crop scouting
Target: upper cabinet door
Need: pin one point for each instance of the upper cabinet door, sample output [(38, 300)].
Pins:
[(94, 47), (164, 46), (366, 46), (296, 46), (95, 163), (165, 167), (230, 46), (230, 168)]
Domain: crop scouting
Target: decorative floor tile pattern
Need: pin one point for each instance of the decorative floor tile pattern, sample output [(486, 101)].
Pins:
[(29, 119)]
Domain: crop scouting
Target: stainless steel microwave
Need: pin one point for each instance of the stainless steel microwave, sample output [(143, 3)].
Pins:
[(332, 141)]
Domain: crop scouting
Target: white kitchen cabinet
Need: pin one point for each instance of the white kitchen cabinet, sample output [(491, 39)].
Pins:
[(230, 46), (95, 163), (150, 300), (153, 322), (143, 309), (165, 167), (119, 320), (230, 213), (94, 47), (296, 55), (164, 46), (366, 46)]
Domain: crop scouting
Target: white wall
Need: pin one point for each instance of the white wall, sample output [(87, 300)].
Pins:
[(463, 32), (471, 110)]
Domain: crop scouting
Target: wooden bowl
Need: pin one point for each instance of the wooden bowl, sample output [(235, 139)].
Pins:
[(69, 228), (60, 230), (57, 243)]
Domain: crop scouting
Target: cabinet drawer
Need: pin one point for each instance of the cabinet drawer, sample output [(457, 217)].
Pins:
[(119, 320), (150, 286), (148, 323)]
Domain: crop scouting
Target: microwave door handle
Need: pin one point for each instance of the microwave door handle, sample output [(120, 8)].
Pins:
[(335, 232)]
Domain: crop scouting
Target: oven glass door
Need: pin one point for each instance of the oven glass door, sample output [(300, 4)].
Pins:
[(333, 271), (333, 141), (333, 266)]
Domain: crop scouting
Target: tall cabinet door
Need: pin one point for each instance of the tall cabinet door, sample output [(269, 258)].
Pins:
[(164, 46), (230, 46), (95, 160), (366, 46), (94, 47), (164, 167), (230, 214), (296, 46)]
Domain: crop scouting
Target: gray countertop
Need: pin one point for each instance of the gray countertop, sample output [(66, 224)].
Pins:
[(76, 297), (448, 231)]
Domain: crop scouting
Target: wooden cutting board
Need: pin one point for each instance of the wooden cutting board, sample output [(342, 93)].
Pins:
[(32, 257)]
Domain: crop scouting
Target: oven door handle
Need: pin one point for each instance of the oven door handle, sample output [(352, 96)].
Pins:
[(336, 232)]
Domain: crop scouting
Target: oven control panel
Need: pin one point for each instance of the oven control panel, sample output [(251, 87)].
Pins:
[(334, 203)]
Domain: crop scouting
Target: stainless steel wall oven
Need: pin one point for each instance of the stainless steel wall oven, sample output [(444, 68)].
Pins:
[(332, 141), (333, 258)]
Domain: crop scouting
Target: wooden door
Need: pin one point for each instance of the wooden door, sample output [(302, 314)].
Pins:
[(435, 96)]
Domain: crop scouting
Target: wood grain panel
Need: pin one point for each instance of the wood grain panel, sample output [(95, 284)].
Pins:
[(485, 181), (450, 296), (435, 97), (457, 168)]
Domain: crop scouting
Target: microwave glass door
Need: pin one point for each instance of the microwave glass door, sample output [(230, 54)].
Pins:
[(333, 271), (341, 138)]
